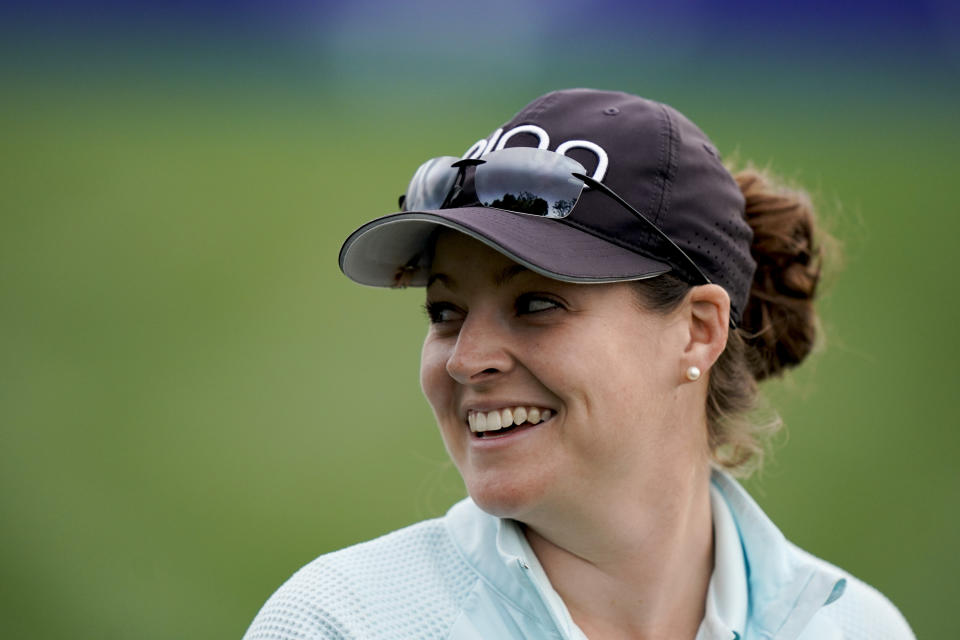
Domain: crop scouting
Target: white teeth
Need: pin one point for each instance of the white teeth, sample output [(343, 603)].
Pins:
[(481, 421)]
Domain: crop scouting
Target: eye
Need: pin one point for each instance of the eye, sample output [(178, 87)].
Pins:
[(536, 303), (441, 312)]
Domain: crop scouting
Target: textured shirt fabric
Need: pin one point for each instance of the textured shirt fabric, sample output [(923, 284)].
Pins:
[(467, 576)]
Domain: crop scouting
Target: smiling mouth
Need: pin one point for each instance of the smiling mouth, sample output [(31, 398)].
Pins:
[(500, 422)]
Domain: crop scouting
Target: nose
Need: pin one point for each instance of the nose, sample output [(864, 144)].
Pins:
[(481, 352)]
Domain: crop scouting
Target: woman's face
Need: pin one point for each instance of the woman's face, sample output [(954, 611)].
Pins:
[(606, 373)]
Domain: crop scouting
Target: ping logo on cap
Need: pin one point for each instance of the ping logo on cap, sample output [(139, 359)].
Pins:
[(498, 140)]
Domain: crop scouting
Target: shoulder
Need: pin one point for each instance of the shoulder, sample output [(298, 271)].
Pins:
[(861, 612), (408, 583)]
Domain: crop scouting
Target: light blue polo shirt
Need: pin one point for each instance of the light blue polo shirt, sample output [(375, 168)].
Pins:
[(471, 576)]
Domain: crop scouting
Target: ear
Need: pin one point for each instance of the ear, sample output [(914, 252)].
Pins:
[(708, 315)]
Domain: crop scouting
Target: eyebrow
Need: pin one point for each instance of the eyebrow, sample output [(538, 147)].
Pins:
[(500, 279), (509, 274)]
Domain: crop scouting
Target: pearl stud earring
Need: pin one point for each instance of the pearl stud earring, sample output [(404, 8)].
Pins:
[(693, 373)]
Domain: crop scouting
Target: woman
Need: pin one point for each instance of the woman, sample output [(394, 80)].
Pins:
[(603, 299)]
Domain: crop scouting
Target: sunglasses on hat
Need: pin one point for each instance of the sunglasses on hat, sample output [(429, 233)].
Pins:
[(524, 180)]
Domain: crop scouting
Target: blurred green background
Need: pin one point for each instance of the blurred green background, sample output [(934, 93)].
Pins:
[(194, 402)]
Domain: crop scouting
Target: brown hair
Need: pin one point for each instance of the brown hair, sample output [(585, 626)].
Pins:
[(779, 324)]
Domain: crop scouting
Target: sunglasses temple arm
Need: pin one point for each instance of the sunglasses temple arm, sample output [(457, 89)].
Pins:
[(599, 186)]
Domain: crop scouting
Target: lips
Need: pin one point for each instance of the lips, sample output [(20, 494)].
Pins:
[(484, 423)]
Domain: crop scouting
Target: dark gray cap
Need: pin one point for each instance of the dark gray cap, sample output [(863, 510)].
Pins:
[(647, 152)]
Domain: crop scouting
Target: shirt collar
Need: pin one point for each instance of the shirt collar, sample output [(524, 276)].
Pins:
[(787, 586), (725, 613), (512, 543), (726, 606)]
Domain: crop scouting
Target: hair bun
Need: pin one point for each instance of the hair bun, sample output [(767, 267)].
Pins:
[(779, 322)]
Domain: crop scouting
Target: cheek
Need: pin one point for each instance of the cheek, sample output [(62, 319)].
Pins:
[(438, 388), (618, 384), (434, 379)]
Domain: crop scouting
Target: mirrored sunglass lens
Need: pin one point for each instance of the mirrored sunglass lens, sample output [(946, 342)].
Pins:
[(528, 180), (430, 184)]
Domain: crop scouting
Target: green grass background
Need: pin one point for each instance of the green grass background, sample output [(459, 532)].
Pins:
[(194, 402)]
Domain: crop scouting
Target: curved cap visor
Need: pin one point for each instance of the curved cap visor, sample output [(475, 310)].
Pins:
[(378, 251)]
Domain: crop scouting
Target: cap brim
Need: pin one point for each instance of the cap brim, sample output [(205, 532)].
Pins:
[(380, 251)]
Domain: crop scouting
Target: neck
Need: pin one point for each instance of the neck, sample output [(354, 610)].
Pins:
[(641, 565)]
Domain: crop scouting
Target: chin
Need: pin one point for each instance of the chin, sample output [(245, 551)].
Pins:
[(504, 499)]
